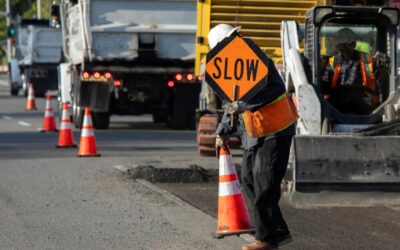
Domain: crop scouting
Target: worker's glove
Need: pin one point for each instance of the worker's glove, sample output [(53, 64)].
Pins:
[(236, 108), (221, 141)]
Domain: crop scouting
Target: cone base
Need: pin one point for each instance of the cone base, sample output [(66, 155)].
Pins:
[(93, 155), (220, 235), (44, 131), (67, 146)]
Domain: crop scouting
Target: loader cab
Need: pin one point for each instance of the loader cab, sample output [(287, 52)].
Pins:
[(375, 31)]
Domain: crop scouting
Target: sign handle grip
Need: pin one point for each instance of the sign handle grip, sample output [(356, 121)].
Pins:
[(234, 98)]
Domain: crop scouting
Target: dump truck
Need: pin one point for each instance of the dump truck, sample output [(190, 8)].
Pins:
[(38, 53), (260, 21), (130, 57), (339, 156)]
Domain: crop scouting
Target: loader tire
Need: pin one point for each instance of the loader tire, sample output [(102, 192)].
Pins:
[(207, 151), (101, 120)]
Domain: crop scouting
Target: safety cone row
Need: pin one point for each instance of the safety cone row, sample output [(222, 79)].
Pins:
[(66, 136), (49, 122), (87, 146), (233, 217), (30, 102)]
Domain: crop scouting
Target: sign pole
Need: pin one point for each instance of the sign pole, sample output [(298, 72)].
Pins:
[(8, 22), (234, 98)]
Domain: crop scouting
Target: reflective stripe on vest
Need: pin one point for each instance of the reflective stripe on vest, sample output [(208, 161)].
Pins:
[(367, 77), (271, 118)]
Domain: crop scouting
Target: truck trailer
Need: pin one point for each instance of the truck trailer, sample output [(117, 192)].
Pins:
[(130, 57), (38, 53)]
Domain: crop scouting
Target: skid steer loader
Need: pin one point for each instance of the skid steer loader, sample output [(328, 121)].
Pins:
[(341, 158)]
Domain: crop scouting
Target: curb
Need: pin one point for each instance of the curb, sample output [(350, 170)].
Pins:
[(183, 203)]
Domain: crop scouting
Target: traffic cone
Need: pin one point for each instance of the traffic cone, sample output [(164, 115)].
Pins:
[(233, 217), (30, 103), (66, 136), (49, 122), (87, 146)]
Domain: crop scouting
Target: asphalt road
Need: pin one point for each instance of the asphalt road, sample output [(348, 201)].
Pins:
[(50, 199)]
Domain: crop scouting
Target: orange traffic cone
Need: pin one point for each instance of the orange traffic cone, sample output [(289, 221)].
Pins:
[(87, 146), (30, 103), (49, 122), (233, 217), (66, 136)]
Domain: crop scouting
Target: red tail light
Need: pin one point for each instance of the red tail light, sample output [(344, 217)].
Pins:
[(117, 83), (108, 75), (189, 77), (85, 75), (96, 75), (179, 77), (199, 78), (171, 84)]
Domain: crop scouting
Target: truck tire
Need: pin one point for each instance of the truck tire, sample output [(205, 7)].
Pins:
[(101, 120), (159, 118), (177, 121), (14, 91)]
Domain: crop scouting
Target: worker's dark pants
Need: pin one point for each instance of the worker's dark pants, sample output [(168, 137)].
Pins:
[(263, 169)]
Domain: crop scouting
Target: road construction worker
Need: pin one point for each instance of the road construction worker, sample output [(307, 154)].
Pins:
[(266, 146), (348, 80)]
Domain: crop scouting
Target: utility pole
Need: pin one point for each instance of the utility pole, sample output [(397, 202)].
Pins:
[(38, 7), (8, 21)]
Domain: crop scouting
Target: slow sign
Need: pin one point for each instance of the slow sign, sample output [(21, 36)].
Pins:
[(236, 61)]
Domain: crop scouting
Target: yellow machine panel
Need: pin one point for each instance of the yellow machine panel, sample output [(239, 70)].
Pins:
[(260, 20)]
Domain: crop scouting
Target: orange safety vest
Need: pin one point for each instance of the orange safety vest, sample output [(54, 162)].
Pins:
[(271, 118), (367, 76)]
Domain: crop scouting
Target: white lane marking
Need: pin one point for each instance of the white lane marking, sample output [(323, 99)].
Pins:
[(24, 124), (6, 117)]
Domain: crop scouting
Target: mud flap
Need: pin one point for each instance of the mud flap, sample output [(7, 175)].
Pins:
[(345, 170)]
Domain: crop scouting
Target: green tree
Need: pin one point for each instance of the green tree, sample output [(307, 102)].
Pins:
[(25, 9)]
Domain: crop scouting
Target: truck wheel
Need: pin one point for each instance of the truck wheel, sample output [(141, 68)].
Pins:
[(14, 91), (77, 116), (159, 118), (101, 120), (177, 121)]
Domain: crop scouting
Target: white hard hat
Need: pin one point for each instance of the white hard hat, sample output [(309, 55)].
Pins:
[(219, 32), (345, 35)]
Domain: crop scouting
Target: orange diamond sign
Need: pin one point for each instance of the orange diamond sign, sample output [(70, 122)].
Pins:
[(236, 61)]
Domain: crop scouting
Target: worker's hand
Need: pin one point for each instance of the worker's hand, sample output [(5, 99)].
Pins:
[(236, 108), (221, 142)]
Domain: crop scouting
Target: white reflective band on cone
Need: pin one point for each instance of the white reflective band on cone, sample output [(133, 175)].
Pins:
[(65, 115), (87, 132), (48, 105), (48, 113), (228, 165), (229, 188), (87, 121), (66, 125)]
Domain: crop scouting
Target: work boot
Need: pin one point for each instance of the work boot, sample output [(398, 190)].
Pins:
[(283, 238), (259, 245)]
